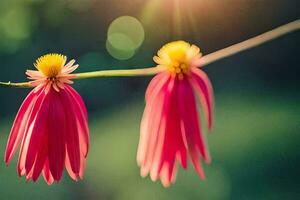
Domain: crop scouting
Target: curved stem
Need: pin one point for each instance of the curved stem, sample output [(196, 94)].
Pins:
[(205, 60)]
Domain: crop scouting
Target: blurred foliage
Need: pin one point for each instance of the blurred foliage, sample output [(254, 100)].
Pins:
[(254, 145)]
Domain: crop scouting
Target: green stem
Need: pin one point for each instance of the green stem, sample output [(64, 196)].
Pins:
[(205, 60), (119, 73), (15, 85)]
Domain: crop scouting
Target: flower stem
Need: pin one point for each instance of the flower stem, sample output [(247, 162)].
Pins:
[(205, 60), (118, 73), (247, 44), (15, 85)]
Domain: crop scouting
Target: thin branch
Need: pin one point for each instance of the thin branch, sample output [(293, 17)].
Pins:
[(15, 85), (250, 43), (119, 73), (205, 60)]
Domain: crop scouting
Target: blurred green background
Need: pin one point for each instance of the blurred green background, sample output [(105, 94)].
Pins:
[(255, 142)]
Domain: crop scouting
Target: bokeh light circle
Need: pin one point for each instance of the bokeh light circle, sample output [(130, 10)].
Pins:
[(124, 36), (120, 46)]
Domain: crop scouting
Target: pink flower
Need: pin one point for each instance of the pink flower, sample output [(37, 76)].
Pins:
[(170, 128), (51, 124)]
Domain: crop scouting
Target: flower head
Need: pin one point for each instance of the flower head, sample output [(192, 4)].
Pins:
[(177, 57), (170, 128), (51, 64), (51, 125), (52, 72)]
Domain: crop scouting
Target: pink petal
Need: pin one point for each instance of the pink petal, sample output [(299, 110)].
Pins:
[(190, 125), (37, 82), (161, 154), (151, 127), (32, 74), (39, 87), (82, 166), (47, 173), (81, 116), (78, 99), (69, 64), (56, 136), (174, 147), (164, 175), (72, 136), (153, 105), (27, 133), (70, 69), (74, 176), (18, 128), (156, 82), (41, 157), (204, 91), (173, 144), (37, 136)]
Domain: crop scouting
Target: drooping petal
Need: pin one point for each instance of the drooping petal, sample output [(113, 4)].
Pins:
[(147, 116), (158, 137), (19, 125), (78, 99), (72, 137), (56, 137), (41, 157), (28, 131), (82, 165), (161, 156), (156, 82), (191, 126), (153, 135), (37, 137), (158, 157), (173, 148), (70, 171), (81, 116), (150, 125), (204, 91), (164, 175), (47, 173)]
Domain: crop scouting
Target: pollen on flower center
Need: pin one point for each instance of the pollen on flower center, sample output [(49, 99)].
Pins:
[(50, 64), (177, 57)]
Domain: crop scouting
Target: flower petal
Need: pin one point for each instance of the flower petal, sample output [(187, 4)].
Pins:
[(72, 137), (41, 157), (47, 173), (161, 154), (190, 125), (152, 135), (28, 131), (19, 125), (150, 125), (56, 136), (157, 82), (37, 137), (204, 91), (81, 116)]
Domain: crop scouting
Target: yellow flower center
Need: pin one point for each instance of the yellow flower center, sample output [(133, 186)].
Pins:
[(50, 64), (177, 57)]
